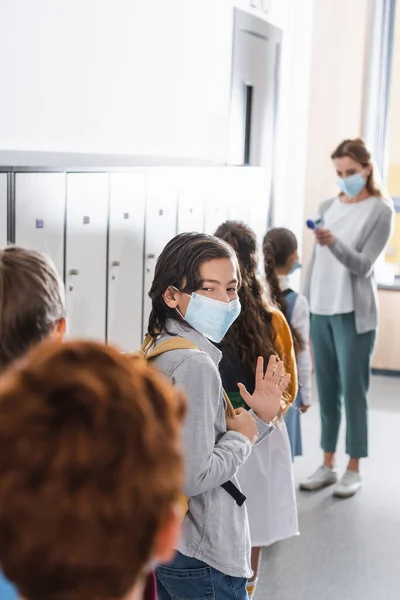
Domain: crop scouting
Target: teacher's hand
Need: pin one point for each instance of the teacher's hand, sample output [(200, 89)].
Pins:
[(324, 237)]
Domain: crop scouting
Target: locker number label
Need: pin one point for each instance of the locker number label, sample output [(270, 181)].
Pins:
[(86, 220), (39, 223)]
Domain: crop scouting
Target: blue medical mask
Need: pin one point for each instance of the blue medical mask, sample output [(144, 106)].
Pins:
[(351, 186), (210, 317), (295, 267)]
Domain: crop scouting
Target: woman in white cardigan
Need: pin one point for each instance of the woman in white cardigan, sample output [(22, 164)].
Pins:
[(342, 292)]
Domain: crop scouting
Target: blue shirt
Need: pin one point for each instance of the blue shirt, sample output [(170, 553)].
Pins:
[(7, 591)]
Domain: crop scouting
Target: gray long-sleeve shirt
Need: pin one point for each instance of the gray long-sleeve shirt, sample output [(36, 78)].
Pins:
[(215, 529), (360, 261)]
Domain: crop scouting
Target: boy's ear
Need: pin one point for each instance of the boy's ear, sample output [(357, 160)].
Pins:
[(170, 297), (168, 536), (60, 330)]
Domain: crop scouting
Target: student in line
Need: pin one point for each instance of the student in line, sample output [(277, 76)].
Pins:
[(32, 309), (195, 296), (267, 476), (90, 473), (281, 260)]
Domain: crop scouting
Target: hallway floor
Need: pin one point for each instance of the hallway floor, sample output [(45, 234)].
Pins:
[(348, 549)]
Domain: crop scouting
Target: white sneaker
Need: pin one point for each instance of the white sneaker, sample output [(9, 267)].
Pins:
[(322, 477), (349, 485)]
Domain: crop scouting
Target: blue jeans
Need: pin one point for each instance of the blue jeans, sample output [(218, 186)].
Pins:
[(191, 579)]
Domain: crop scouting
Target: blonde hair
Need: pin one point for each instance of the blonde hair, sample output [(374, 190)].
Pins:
[(358, 151)]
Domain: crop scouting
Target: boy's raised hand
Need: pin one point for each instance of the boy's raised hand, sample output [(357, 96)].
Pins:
[(266, 399)]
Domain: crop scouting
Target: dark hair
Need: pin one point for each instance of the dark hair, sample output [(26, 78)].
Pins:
[(90, 467), (357, 150), (279, 244), (31, 301), (252, 334), (179, 266)]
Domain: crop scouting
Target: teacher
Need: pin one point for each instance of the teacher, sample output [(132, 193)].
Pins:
[(342, 292)]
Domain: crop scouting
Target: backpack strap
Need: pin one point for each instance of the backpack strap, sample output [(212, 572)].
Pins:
[(177, 343), (171, 344), (290, 297)]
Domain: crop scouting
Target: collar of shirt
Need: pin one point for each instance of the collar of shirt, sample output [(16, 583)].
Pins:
[(184, 330), (283, 282)]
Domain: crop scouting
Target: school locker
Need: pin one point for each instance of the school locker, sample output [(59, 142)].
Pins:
[(216, 203), (86, 254), (161, 225), (40, 214), (191, 200), (3, 210), (125, 260)]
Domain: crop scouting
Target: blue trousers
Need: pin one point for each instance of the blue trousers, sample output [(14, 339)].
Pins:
[(190, 579)]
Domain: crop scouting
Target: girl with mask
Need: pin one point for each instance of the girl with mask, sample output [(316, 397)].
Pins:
[(281, 260), (195, 296), (267, 476), (342, 293)]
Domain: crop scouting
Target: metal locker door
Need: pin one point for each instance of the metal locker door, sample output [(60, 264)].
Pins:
[(40, 214), (191, 201), (125, 260), (3, 210), (216, 211), (161, 226), (86, 254)]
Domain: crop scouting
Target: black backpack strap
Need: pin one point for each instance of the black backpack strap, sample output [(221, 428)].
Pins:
[(233, 491)]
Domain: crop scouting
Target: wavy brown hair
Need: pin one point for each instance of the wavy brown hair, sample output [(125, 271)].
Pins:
[(358, 151), (252, 334), (279, 244)]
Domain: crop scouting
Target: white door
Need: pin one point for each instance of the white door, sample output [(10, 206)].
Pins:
[(254, 93), (125, 260), (254, 90), (161, 225), (216, 209), (40, 214), (191, 201), (3, 210), (86, 254)]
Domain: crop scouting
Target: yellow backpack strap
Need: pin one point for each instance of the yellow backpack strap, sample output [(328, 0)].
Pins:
[(177, 343), (230, 411)]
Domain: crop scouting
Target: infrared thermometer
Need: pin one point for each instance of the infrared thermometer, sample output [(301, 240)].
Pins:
[(315, 223)]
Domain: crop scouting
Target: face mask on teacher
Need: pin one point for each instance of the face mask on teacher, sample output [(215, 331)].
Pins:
[(352, 186), (211, 317)]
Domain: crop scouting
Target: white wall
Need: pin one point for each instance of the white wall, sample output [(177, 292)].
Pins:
[(337, 95), (105, 76), (144, 78)]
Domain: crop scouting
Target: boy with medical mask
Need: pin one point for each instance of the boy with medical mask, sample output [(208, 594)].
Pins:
[(195, 297)]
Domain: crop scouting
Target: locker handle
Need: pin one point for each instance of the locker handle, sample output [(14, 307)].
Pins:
[(74, 272), (151, 256), (116, 263)]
